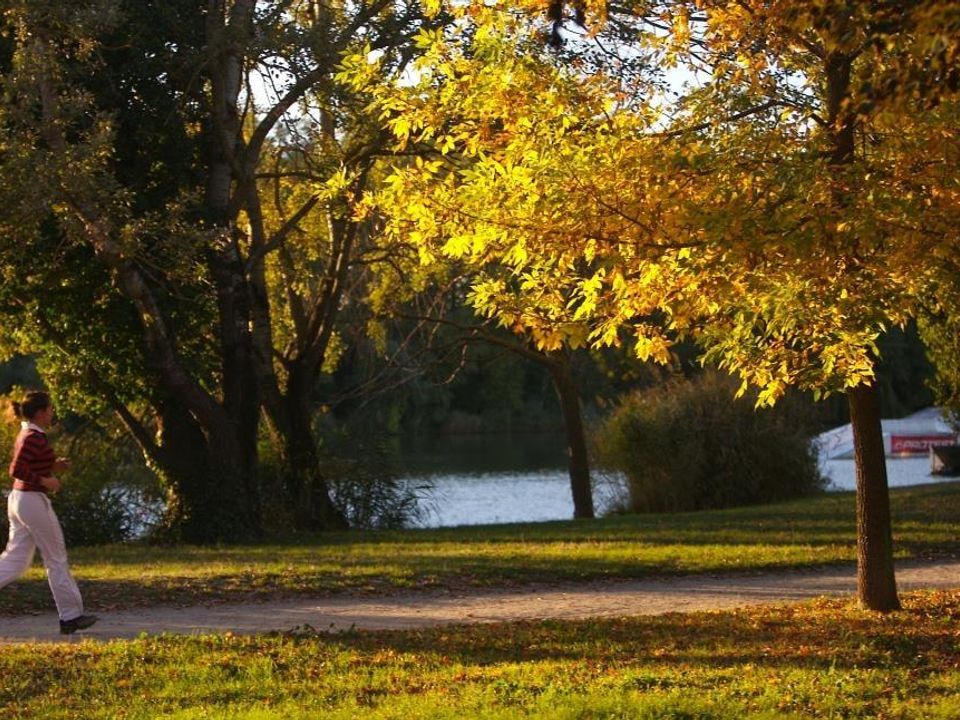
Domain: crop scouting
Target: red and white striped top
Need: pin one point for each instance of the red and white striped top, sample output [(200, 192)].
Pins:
[(33, 459)]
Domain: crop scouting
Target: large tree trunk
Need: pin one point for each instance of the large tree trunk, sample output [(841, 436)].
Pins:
[(304, 493), (229, 500), (565, 384), (876, 585), (209, 496), (306, 487)]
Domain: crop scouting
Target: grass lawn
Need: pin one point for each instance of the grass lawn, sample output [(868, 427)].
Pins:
[(810, 532), (822, 659)]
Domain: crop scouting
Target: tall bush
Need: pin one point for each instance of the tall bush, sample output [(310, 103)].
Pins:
[(690, 445)]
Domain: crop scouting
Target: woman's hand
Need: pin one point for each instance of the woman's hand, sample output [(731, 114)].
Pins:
[(51, 483), (61, 465)]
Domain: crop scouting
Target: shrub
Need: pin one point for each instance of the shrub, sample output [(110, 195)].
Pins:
[(689, 445), (91, 516), (364, 485), (359, 474), (375, 501)]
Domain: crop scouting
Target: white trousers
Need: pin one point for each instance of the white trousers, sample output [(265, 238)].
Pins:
[(34, 525)]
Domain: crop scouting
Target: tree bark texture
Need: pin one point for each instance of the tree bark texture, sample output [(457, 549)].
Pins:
[(565, 384), (207, 481), (876, 583), (305, 484)]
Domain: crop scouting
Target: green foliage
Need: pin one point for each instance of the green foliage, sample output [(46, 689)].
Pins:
[(93, 516), (941, 335), (689, 445), (824, 659), (770, 208)]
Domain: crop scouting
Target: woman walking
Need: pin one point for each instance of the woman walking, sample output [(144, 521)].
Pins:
[(33, 523)]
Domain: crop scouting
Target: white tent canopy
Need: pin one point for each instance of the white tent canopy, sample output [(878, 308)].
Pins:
[(912, 435)]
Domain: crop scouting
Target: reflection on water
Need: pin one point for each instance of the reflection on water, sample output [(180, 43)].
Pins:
[(476, 453), (497, 498), (488, 478), (507, 498)]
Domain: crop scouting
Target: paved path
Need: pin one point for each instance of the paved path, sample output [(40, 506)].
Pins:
[(607, 599)]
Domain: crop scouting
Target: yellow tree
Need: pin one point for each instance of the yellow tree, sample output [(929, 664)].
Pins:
[(841, 204), (783, 213), (436, 211)]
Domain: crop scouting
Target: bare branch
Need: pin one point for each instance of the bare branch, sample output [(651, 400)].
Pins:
[(279, 237)]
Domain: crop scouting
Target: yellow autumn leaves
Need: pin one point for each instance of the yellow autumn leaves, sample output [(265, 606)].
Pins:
[(587, 207)]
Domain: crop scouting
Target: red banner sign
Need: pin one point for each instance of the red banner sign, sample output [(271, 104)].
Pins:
[(918, 444)]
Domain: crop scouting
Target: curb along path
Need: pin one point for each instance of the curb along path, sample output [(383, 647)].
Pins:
[(415, 610)]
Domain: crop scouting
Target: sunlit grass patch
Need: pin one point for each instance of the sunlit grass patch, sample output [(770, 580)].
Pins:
[(821, 659)]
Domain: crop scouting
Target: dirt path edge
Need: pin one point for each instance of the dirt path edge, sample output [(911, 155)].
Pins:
[(597, 599)]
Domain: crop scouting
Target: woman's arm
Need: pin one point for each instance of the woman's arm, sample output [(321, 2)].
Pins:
[(51, 483)]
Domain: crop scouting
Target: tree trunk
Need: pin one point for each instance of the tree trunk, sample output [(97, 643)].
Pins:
[(209, 497), (224, 504), (305, 484), (290, 410), (565, 384), (876, 584), (232, 494)]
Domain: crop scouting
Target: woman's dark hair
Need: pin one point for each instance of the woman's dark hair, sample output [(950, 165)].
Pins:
[(34, 402)]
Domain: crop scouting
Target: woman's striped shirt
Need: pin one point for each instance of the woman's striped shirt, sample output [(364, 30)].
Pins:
[(33, 459)]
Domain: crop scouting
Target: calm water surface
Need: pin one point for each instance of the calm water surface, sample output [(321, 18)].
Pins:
[(459, 496)]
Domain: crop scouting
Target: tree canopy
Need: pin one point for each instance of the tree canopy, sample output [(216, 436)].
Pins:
[(601, 211), (142, 265), (792, 200)]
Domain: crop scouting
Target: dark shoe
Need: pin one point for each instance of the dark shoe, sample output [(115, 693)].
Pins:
[(68, 627)]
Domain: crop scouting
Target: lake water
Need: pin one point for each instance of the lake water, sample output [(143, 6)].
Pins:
[(475, 480), (506, 497), (464, 498), (900, 472)]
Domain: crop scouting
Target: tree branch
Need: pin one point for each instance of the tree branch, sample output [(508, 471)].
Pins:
[(729, 118), (279, 237)]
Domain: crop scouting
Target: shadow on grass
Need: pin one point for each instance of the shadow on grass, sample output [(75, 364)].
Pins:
[(823, 635), (413, 574), (722, 655), (821, 529), (826, 518)]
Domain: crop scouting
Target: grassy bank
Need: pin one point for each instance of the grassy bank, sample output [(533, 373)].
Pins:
[(821, 659), (811, 532)]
